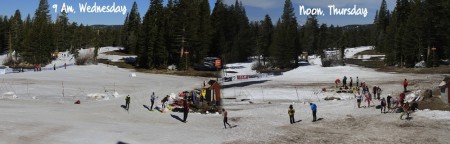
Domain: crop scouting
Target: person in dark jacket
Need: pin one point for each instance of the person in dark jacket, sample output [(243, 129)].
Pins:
[(291, 112), (152, 100), (127, 102), (383, 105), (389, 101), (344, 81), (163, 102), (186, 110), (314, 111)]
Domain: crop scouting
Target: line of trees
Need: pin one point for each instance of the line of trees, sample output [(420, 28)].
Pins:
[(167, 33), (415, 30), (182, 32), (36, 38)]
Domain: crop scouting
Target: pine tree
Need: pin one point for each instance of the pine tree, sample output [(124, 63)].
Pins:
[(266, 37), (219, 20), (172, 44), (204, 30), (311, 29), (285, 46), (16, 33), (131, 30), (41, 35), (62, 32)]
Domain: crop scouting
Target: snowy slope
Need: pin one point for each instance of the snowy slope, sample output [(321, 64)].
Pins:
[(43, 111)]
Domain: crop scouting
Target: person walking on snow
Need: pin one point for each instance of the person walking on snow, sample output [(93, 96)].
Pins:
[(405, 84), (127, 102), (186, 110), (291, 112), (314, 111), (152, 100), (225, 118)]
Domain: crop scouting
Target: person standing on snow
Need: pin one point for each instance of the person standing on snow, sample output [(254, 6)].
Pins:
[(357, 83), (359, 99), (402, 98), (389, 101), (186, 110), (406, 110), (291, 112), (314, 111), (344, 81), (163, 101), (225, 118), (127, 102), (351, 83), (383, 105), (405, 84), (152, 100), (374, 91), (378, 92)]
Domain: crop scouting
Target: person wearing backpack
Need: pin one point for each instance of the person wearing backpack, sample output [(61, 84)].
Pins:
[(383, 105)]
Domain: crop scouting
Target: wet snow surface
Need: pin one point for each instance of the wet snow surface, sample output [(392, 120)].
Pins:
[(37, 107)]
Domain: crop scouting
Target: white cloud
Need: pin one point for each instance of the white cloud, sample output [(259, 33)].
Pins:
[(265, 4)]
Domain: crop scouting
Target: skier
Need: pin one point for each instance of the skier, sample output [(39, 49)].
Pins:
[(225, 118), (163, 101), (127, 102), (152, 100), (405, 84), (186, 110), (314, 111), (291, 113), (54, 66)]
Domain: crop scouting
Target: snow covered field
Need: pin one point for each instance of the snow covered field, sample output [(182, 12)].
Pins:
[(42, 110)]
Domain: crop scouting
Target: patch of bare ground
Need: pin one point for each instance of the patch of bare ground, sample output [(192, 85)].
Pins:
[(367, 129)]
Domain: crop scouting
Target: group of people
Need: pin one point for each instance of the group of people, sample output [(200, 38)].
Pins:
[(164, 103), (291, 112), (388, 103), (344, 82)]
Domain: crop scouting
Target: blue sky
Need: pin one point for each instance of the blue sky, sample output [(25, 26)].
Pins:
[(256, 9)]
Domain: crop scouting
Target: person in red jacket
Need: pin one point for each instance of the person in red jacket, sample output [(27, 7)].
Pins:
[(402, 98), (405, 84)]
